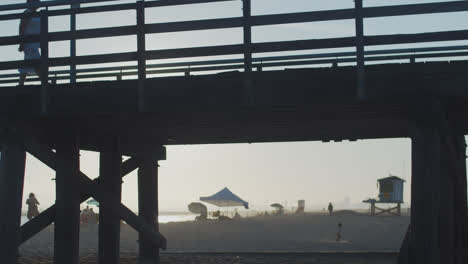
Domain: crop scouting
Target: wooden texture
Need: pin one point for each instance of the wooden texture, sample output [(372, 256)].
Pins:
[(438, 203), (74, 7), (248, 77), (48, 157), (109, 222), (148, 206), (360, 70), (67, 216), (12, 165), (141, 54), (46, 217), (44, 69)]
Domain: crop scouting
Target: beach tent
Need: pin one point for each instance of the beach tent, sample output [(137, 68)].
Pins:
[(225, 198), (277, 206), (93, 202)]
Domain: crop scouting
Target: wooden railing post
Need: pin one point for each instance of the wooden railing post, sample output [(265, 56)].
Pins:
[(141, 53), (73, 43), (248, 78), (44, 91), (360, 70)]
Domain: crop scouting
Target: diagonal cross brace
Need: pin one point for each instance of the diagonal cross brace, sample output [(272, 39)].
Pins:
[(389, 210), (44, 219), (89, 188)]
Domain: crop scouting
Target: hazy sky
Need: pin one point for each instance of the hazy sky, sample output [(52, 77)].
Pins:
[(259, 173)]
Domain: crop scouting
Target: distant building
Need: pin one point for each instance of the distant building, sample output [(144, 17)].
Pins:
[(391, 189)]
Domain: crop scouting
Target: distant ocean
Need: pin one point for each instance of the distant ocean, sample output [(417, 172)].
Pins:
[(163, 218)]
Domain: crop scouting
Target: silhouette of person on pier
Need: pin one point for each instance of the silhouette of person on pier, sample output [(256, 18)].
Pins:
[(30, 25), (32, 203)]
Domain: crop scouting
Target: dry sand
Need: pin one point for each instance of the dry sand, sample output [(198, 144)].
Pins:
[(273, 239)]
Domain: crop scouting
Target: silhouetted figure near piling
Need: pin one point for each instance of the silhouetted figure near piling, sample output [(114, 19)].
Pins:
[(30, 26), (32, 203), (330, 208), (338, 234)]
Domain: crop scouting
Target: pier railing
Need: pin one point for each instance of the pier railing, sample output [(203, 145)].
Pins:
[(247, 48)]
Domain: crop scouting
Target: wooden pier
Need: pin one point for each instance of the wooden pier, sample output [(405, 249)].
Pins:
[(247, 100)]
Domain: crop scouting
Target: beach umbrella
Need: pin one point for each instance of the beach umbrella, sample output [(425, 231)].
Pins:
[(225, 198), (197, 208), (277, 206), (93, 202)]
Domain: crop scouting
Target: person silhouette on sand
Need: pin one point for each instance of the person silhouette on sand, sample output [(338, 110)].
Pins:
[(32, 206), (330, 208), (338, 234)]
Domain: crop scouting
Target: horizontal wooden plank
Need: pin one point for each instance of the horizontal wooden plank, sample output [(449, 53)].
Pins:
[(99, 9), (160, 3), (50, 4), (206, 24), (369, 12), (93, 59), (262, 20), (416, 38), (415, 9), (195, 52), (315, 16), (257, 48)]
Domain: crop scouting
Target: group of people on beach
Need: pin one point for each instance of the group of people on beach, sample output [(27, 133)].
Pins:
[(88, 216)]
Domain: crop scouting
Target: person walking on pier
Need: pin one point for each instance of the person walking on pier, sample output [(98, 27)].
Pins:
[(30, 25), (32, 203)]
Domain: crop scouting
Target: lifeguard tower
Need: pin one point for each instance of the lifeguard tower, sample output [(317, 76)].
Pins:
[(390, 192)]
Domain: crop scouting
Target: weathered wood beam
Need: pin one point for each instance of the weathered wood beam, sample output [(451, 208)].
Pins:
[(67, 213), (438, 188), (360, 70), (109, 222), (141, 54), (148, 206), (125, 214), (12, 165), (48, 157), (403, 255), (37, 224)]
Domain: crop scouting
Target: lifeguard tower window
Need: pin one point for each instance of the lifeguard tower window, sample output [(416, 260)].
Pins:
[(386, 187)]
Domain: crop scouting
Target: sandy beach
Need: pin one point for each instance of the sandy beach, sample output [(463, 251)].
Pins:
[(308, 238)]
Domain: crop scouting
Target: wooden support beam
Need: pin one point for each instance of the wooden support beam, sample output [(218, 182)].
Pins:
[(12, 165), (109, 222), (248, 76), (360, 71), (74, 7), (125, 214), (141, 54), (48, 157), (44, 219), (426, 173), (403, 255), (437, 204), (67, 216), (44, 90), (148, 206)]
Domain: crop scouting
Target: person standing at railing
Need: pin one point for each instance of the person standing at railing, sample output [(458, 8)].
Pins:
[(30, 25)]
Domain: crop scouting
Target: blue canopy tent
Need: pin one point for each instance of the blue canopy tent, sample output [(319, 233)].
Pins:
[(225, 198)]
